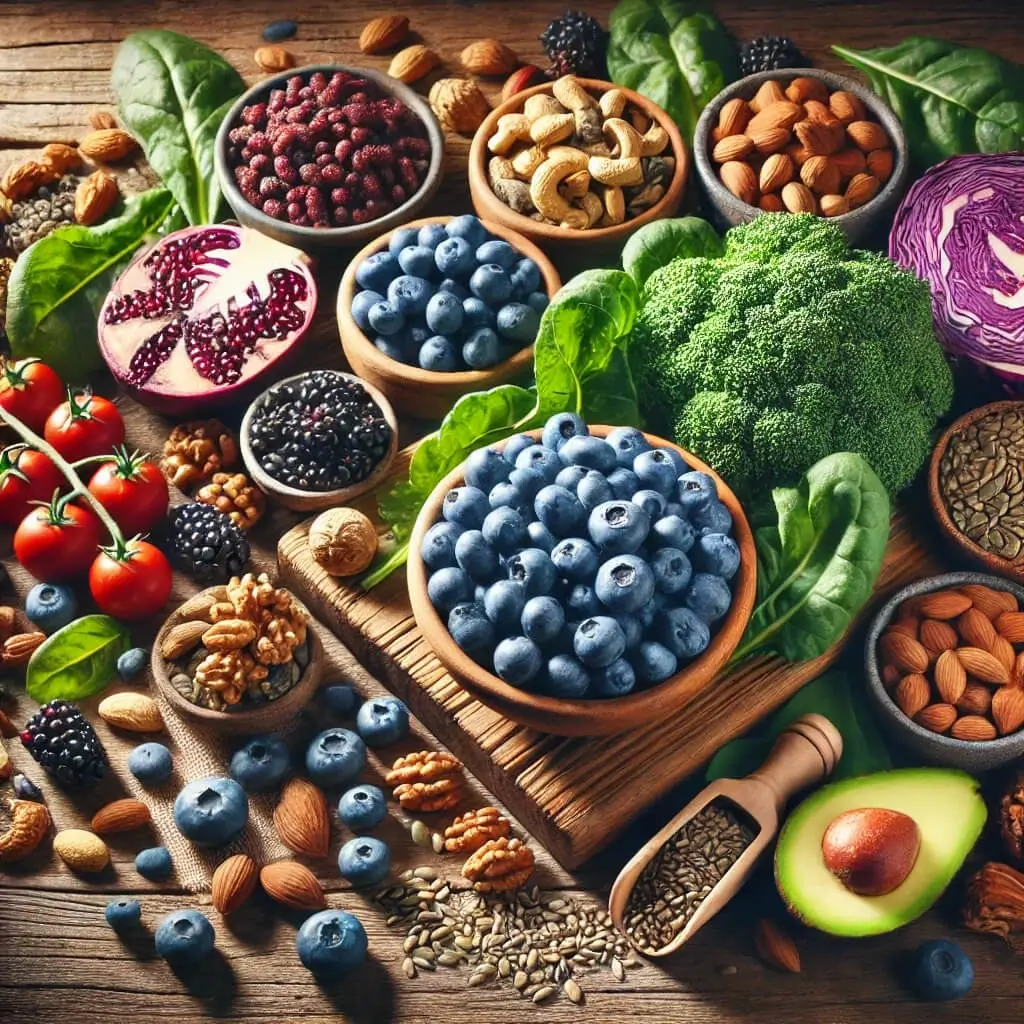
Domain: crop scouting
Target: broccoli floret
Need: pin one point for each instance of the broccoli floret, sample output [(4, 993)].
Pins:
[(789, 347)]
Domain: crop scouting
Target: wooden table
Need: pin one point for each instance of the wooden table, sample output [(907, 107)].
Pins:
[(59, 961)]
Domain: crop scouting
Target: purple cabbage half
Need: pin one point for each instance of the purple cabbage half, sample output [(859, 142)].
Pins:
[(961, 228)]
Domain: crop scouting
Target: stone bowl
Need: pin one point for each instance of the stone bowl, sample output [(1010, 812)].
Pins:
[(929, 746), (859, 224)]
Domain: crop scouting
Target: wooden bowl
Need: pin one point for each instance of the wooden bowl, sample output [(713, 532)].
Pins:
[(255, 718), (429, 394), (587, 717), (976, 553), (310, 501), (488, 205)]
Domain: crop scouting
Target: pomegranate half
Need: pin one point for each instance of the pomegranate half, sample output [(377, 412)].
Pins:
[(198, 318)]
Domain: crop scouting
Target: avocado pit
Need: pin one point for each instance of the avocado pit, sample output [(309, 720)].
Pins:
[(871, 850)]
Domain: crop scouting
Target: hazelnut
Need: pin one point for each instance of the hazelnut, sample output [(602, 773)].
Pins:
[(342, 541)]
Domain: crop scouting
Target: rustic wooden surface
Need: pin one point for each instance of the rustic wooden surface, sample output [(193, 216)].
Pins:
[(59, 961)]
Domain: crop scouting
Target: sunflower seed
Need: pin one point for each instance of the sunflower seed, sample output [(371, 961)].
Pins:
[(420, 836), (409, 968), (543, 993), (573, 991)]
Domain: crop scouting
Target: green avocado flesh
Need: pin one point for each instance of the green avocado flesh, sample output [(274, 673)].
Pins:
[(950, 814)]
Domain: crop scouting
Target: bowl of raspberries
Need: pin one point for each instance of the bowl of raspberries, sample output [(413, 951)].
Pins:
[(328, 156), (582, 580)]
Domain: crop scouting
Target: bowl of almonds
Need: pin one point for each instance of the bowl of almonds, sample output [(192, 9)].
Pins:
[(945, 666), (802, 141)]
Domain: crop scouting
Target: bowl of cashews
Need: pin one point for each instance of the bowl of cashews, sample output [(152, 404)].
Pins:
[(577, 160)]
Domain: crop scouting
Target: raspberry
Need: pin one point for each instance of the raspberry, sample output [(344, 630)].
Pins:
[(323, 160), (251, 196), (276, 101), (294, 210), (255, 114), (259, 143), (353, 181), (302, 113), (318, 81), (305, 93), (321, 147), (241, 135), (330, 96), (319, 125), (284, 141)]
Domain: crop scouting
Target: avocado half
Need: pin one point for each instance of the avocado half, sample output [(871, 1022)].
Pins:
[(950, 814)]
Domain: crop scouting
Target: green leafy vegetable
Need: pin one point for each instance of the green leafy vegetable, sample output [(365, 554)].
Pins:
[(78, 660), (674, 52), (663, 241), (951, 99), (173, 94), (818, 565), (58, 285)]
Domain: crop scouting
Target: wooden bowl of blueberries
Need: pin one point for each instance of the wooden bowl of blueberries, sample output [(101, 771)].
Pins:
[(442, 307), (582, 581)]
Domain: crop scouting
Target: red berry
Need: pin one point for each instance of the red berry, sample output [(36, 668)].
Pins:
[(330, 172), (271, 187), (310, 174), (274, 208), (261, 163), (341, 197), (255, 114), (341, 216), (295, 211)]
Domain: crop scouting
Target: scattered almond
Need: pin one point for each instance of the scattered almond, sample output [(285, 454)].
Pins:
[(976, 699), (944, 604), (488, 57), (936, 717), (17, 649), (21, 181), (939, 636), (383, 33), (120, 816), (983, 665), (734, 147), (900, 650), (412, 63), (132, 711), (108, 145), (82, 851), (99, 119), (912, 694), (950, 677), (292, 884), (867, 135), (301, 819), (1008, 709), (776, 948), (739, 179), (734, 117), (846, 106), (833, 206), (274, 58), (820, 175), (879, 163), (233, 883), (973, 728), (62, 158)]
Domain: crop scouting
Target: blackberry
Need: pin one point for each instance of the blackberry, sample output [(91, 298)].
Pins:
[(64, 743), (319, 432), (576, 45), (769, 53), (205, 543)]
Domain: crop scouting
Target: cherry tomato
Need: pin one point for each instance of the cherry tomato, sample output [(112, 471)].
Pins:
[(84, 425), (131, 584), (31, 391), (25, 476), (132, 490), (57, 541)]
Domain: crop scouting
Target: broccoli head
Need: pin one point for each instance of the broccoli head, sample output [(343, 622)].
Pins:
[(791, 346)]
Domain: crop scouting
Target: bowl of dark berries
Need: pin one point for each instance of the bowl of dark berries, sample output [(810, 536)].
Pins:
[(441, 307), (318, 439), (328, 156), (582, 580)]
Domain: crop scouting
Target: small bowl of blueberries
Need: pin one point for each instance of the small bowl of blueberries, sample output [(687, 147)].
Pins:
[(583, 580), (442, 307)]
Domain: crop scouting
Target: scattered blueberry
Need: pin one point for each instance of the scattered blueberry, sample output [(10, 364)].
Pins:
[(51, 606), (382, 721), (211, 811), (341, 699), (364, 861), (362, 807), (26, 789), (330, 941), (132, 663), (154, 863), (260, 764), (151, 763), (942, 971), (184, 937), (278, 31), (123, 913), (335, 757)]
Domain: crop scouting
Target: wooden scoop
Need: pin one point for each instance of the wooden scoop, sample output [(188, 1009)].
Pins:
[(806, 752)]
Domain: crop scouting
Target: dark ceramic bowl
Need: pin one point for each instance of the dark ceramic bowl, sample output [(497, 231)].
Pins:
[(330, 238), (932, 747), (858, 224)]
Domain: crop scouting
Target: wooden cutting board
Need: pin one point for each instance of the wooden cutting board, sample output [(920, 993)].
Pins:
[(574, 794)]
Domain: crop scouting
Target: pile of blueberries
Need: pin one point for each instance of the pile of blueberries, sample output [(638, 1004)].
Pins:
[(449, 297), (581, 567)]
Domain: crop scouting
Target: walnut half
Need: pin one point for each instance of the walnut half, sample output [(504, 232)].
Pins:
[(196, 450), (995, 900), (500, 865), (1011, 818)]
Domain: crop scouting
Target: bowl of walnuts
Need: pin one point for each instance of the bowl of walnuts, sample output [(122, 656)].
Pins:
[(241, 657)]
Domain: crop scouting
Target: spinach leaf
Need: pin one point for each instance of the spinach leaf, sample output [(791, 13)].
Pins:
[(674, 52), (172, 95), (78, 660), (951, 99), (663, 241), (818, 564), (59, 283)]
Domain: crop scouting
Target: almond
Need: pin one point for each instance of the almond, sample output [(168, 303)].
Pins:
[(861, 189), (781, 114), (776, 171), (1011, 626), (734, 117), (292, 884), (1002, 650), (182, 638), (900, 650), (735, 147), (804, 88), (976, 628), (890, 676), (101, 119), (950, 677), (867, 135), (520, 79), (833, 206), (769, 140), (1008, 709), (771, 204), (1017, 675), (120, 816), (879, 163), (134, 712), (850, 161), (82, 851), (820, 175), (983, 665), (488, 57), (846, 107), (976, 699), (412, 63), (301, 819), (989, 600), (739, 179), (21, 181), (776, 948), (908, 626), (936, 717), (913, 694), (274, 58), (973, 728), (944, 604), (939, 636), (107, 145), (6, 621), (819, 113), (383, 33), (95, 198), (234, 882), (769, 93), (797, 154), (62, 158), (818, 139), (17, 649)]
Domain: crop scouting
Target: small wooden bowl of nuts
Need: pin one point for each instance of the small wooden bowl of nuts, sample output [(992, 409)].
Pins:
[(802, 141), (944, 660), (577, 161), (241, 658)]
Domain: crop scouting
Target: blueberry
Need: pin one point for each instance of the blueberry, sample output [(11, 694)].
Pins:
[(695, 490), (384, 318), (431, 235), (505, 530), (594, 490), (491, 284), (623, 482), (717, 554), (543, 619), (591, 452), (541, 537), (672, 570), (438, 548), (418, 261), (331, 941), (382, 721), (507, 495), (123, 913), (652, 502), (154, 864), (376, 272), (632, 628), (614, 680), (363, 807), (51, 606), (566, 678), (184, 937), (497, 251), (713, 517), (278, 31), (618, 527), (673, 508), (466, 506), (514, 445), (448, 587), (476, 556), (395, 347), (576, 559), (581, 602), (653, 662), (132, 663), (678, 461), (364, 861), (518, 323), (484, 468), (444, 313), (517, 660), (439, 354), (528, 481), (942, 971), (503, 604), (409, 295), (560, 427), (525, 277), (559, 510), (532, 569), (599, 640), (454, 258), (260, 764), (211, 811), (453, 287), (628, 443), (335, 757), (481, 349), (624, 583), (656, 470), (361, 304), (682, 632), (538, 301), (571, 476), (26, 789), (151, 763), (401, 238), (673, 532), (708, 596), (471, 629), (468, 227), (341, 699), (476, 313)]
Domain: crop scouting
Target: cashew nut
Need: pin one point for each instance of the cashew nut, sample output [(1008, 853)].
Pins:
[(29, 823), (654, 140), (569, 153), (544, 190), (616, 172), (552, 128), (571, 94), (541, 104), (614, 205), (526, 161), (499, 167), (626, 137), (511, 128), (591, 205), (612, 103), (576, 185)]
